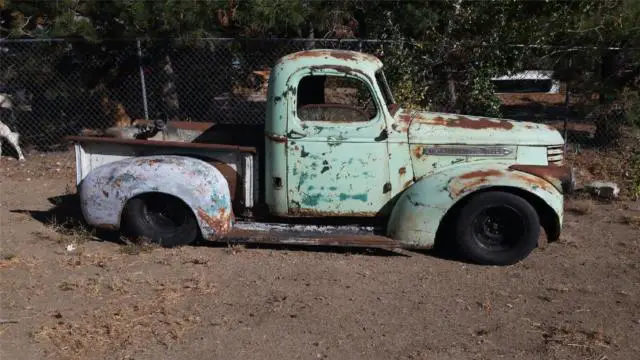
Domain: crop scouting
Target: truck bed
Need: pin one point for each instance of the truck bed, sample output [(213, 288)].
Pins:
[(235, 150)]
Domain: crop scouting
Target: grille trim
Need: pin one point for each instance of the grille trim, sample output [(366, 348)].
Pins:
[(555, 155)]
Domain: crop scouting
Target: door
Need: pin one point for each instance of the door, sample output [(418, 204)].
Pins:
[(337, 157)]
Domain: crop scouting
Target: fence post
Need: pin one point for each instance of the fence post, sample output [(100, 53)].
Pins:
[(566, 105), (142, 82)]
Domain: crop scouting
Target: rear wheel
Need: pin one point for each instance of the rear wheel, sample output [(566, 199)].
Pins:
[(497, 228), (161, 218)]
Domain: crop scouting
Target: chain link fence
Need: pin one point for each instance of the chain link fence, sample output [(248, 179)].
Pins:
[(54, 88)]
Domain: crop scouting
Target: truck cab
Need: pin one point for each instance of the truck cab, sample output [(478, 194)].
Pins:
[(337, 146)]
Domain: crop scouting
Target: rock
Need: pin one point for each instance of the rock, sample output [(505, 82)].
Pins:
[(603, 189)]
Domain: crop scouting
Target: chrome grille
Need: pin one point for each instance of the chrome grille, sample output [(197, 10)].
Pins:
[(555, 155)]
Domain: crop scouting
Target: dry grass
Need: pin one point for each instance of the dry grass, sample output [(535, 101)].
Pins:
[(113, 330), (69, 231), (138, 248), (608, 165), (591, 342)]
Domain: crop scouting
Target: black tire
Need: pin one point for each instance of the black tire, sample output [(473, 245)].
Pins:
[(497, 228), (161, 218)]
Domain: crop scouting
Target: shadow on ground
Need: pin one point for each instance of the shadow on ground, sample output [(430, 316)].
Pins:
[(66, 216)]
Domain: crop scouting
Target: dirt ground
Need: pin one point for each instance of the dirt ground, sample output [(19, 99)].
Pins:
[(68, 294)]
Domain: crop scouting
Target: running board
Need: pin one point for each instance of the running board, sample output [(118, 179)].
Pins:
[(274, 233)]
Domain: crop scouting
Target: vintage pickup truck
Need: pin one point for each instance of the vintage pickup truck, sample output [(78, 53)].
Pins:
[(336, 162)]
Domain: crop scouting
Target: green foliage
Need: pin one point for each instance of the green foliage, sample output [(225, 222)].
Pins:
[(482, 98), (444, 53)]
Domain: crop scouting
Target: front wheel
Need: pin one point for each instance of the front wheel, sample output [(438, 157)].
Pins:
[(161, 218), (497, 228)]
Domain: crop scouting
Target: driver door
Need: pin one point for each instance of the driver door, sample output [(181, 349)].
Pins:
[(337, 156)]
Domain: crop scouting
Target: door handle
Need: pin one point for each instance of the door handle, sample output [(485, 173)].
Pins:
[(295, 134)]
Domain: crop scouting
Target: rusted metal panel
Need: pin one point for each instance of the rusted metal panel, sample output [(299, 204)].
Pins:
[(323, 235), (276, 138), (162, 144), (382, 242), (562, 177), (450, 129), (468, 123), (107, 188), (327, 55)]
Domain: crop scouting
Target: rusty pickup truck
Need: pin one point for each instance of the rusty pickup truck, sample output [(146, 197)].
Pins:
[(336, 162)]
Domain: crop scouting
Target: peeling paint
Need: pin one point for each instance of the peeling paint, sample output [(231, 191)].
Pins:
[(107, 188), (468, 123), (561, 177)]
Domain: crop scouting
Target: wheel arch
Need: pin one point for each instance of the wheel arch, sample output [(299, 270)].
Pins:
[(549, 220), (107, 188), (423, 211)]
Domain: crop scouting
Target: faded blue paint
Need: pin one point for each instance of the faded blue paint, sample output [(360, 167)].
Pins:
[(106, 189)]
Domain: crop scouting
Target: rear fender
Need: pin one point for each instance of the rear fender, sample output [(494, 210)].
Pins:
[(106, 189), (420, 209)]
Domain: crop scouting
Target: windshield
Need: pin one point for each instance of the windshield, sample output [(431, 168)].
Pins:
[(386, 92)]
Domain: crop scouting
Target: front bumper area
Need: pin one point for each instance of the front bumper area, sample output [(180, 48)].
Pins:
[(561, 177)]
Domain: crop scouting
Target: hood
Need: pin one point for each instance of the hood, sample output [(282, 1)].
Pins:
[(441, 128)]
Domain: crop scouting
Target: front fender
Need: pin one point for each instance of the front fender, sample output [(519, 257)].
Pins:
[(106, 189), (420, 209)]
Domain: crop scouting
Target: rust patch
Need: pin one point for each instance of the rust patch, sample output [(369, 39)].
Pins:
[(316, 213), (402, 123), (343, 55), (220, 223), (341, 68), (418, 151), (467, 123), (232, 177), (165, 144), (407, 184), (561, 177), (402, 171), (480, 174), (295, 238), (337, 54), (276, 138), (107, 227), (470, 181), (534, 182)]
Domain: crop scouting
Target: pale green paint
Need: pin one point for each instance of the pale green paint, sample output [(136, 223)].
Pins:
[(531, 155), (423, 131), (340, 168), (418, 212)]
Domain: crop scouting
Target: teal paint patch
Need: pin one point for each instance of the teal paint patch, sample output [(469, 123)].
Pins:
[(362, 197), (311, 200)]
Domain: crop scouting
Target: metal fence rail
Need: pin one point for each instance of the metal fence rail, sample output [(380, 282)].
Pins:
[(57, 88)]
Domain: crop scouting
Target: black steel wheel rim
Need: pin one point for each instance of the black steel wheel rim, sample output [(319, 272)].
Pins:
[(498, 228), (163, 214)]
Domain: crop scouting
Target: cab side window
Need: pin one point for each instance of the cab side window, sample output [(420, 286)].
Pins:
[(333, 98)]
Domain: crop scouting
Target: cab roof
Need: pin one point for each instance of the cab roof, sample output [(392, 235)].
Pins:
[(317, 57)]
